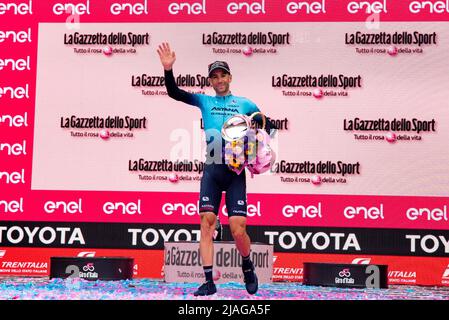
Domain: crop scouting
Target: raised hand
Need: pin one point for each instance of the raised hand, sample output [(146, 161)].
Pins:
[(167, 56)]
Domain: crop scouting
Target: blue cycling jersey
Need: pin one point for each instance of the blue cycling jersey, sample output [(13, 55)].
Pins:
[(215, 110)]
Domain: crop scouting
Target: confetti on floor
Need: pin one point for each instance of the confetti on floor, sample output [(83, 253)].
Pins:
[(28, 288)]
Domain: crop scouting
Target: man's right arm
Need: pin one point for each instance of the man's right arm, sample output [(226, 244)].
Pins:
[(176, 93), (168, 58)]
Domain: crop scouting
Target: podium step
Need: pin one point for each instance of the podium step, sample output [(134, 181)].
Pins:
[(92, 268), (346, 275), (182, 262)]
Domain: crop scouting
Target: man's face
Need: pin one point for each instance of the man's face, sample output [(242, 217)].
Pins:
[(220, 81)]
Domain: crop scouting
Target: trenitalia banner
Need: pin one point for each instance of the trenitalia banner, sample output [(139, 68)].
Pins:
[(94, 154)]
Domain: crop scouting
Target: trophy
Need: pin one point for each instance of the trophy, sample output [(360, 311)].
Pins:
[(246, 145)]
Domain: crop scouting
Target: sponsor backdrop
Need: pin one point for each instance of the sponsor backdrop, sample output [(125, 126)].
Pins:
[(97, 160)]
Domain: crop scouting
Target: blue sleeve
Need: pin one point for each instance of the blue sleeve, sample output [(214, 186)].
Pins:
[(179, 94), (258, 118), (253, 107)]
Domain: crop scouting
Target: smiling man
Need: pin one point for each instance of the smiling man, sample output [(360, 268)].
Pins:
[(217, 176)]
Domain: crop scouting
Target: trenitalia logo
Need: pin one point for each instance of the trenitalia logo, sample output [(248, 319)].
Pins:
[(2, 253), (66, 207), (11, 206), (435, 214), (288, 271), (301, 7), (27, 265), (429, 6), (304, 212), (195, 8), (16, 8), (246, 7), (15, 149), (71, 8), (132, 8), (402, 274), (15, 93), (367, 7), (16, 121), (372, 213), (19, 36)]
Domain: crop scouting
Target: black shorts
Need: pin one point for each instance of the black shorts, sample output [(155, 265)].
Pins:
[(218, 178)]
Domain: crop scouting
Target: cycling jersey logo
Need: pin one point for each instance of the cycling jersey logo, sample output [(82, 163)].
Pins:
[(241, 202), (205, 198), (224, 109), (344, 273)]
